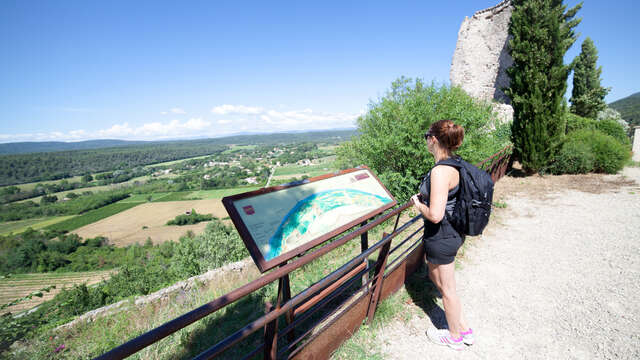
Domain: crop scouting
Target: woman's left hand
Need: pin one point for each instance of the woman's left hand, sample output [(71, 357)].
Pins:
[(416, 201)]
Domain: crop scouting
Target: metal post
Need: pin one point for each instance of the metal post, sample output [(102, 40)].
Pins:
[(379, 276), (364, 245), (271, 328)]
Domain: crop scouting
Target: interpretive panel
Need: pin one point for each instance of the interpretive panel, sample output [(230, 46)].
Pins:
[(280, 222)]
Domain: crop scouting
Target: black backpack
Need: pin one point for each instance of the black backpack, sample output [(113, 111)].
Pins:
[(473, 206)]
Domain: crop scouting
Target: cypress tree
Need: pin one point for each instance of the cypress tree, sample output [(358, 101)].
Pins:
[(541, 33), (587, 96)]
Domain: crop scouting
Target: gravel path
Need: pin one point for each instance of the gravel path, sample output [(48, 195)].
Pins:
[(557, 278)]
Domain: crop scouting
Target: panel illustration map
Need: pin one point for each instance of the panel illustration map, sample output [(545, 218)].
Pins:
[(283, 220)]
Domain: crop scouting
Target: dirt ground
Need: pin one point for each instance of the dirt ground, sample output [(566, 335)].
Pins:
[(554, 276), (126, 228)]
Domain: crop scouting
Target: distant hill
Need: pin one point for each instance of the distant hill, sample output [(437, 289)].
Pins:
[(18, 168), (49, 146), (629, 108), (240, 139)]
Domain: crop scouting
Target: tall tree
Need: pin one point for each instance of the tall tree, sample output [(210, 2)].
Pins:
[(541, 33), (587, 96)]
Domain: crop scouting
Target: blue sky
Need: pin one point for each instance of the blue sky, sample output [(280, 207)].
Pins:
[(151, 70)]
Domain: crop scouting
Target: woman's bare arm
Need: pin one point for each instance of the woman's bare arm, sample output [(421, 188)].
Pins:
[(442, 179)]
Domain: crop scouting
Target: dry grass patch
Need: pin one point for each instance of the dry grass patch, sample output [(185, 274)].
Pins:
[(126, 228), (21, 285)]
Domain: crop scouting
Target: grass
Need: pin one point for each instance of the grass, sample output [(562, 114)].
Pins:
[(19, 285), (299, 169), (632, 163), (138, 198), (92, 216), (93, 189), (32, 185), (220, 193), (113, 330), (236, 148), (19, 226), (174, 196), (499, 204)]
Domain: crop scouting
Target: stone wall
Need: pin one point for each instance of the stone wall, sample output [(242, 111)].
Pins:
[(481, 57)]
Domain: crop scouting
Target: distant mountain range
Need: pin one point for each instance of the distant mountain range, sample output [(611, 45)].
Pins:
[(49, 146), (239, 138), (629, 108)]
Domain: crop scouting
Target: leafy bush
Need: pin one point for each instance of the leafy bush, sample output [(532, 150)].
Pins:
[(613, 129), (577, 122), (574, 157), (218, 245), (610, 155), (143, 269), (192, 218), (391, 133)]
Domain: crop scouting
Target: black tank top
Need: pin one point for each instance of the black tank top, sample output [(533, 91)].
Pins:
[(443, 228)]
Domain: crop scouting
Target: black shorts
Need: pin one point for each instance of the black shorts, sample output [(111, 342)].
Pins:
[(442, 250), (441, 242)]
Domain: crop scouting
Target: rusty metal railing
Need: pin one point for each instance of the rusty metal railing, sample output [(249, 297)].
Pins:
[(330, 326)]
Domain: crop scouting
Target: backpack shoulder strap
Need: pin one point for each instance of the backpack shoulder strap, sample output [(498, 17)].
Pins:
[(455, 162)]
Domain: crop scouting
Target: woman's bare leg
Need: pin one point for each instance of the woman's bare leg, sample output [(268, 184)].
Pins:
[(444, 278)]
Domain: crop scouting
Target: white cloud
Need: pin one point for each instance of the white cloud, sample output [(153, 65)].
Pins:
[(177, 110), (174, 110), (236, 118), (269, 120), (236, 109)]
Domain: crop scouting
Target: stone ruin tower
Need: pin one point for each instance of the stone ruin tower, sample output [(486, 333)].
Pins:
[(481, 57)]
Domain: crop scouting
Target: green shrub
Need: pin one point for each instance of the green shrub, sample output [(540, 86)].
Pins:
[(391, 133), (577, 122), (610, 155), (613, 129), (574, 157), (192, 218)]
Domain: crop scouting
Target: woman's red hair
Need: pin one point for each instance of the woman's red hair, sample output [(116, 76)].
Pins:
[(449, 134)]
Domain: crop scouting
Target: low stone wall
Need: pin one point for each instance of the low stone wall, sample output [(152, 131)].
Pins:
[(176, 289)]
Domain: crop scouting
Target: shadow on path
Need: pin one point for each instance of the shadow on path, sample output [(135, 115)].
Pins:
[(423, 292)]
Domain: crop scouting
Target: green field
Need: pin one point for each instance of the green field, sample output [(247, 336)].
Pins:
[(92, 216), (19, 226), (175, 196), (138, 198), (311, 170), (236, 148), (93, 189), (219, 193), (31, 186)]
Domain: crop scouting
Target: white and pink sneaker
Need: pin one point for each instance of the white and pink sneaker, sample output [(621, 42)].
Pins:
[(467, 336), (443, 337)]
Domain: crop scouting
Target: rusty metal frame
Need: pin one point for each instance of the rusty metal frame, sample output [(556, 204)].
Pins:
[(257, 256), (332, 328)]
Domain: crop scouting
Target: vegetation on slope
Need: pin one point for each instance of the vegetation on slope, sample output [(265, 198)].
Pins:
[(629, 108)]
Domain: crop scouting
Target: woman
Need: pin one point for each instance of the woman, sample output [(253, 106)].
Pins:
[(439, 190)]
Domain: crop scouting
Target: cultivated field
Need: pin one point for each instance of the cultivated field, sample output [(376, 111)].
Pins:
[(93, 189), (20, 285), (127, 227), (19, 226)]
